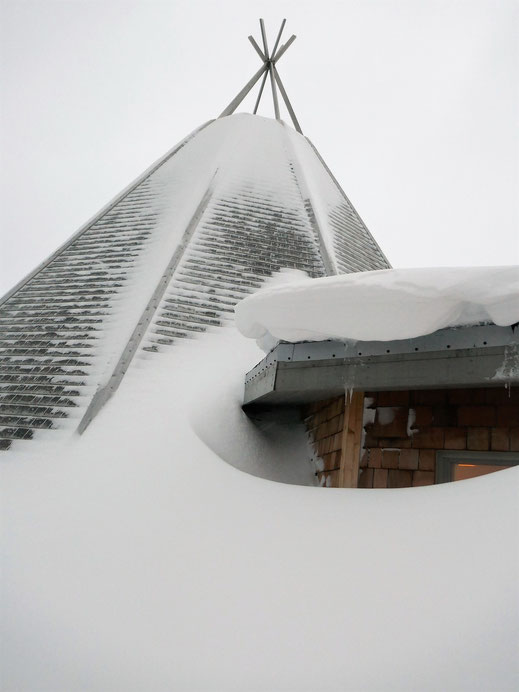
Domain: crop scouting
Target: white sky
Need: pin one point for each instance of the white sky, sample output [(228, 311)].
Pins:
[(414, 104)]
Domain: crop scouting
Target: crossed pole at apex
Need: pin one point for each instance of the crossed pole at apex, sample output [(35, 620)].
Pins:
[(268, 68)]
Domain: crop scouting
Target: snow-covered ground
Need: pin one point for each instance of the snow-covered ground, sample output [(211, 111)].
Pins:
[(136, 558), (380, 305)]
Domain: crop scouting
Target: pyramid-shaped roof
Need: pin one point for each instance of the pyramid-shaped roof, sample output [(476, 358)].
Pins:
[(238, 200)]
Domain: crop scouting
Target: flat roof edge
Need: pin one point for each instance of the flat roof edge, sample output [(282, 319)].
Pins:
[(478, 356)]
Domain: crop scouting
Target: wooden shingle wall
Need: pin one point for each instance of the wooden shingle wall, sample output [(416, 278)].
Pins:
[(335, 428), (325, 422), (403, 430)]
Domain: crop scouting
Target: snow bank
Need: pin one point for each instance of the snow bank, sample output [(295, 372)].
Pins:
[(381, 305), (135, 558)]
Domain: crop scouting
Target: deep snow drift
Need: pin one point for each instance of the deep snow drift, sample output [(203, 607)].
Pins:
[(380, 305), (135, 558)]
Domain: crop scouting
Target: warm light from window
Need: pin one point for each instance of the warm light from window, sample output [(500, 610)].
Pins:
[(463, 471)]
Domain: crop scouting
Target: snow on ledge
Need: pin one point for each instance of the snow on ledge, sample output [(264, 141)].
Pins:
[(380, 305)]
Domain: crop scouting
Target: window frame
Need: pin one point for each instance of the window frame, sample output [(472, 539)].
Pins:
[(446, 460)]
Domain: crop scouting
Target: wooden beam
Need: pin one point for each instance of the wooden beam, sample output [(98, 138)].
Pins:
[(243, 93), (274, 92), (279, 36), (264, 37), (257, 49), (261, 91), (351, 440), (284, 48), (285, 98)]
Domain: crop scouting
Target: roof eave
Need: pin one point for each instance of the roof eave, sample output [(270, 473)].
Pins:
[(478, 356)]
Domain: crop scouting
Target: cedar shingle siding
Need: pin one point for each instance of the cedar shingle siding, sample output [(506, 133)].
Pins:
[(403, 430)]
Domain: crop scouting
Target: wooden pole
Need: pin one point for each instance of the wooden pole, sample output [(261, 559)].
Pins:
[(278, 38), (257, 49), (243, 93), (351, 440), (287, 102), (261, 91), (274, 92)]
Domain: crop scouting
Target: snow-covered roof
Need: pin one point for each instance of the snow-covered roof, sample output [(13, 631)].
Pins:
[(235, 202), (381, 305), (392, 329)]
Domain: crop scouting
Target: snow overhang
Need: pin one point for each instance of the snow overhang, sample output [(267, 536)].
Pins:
[(477, 356)]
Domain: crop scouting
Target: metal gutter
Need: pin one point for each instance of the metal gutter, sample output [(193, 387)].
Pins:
[(479, 356)]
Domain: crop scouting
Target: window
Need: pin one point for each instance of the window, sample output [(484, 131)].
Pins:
[(456, 466)]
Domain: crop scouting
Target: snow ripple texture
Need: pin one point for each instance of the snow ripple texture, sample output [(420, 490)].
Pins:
[(231, 205)]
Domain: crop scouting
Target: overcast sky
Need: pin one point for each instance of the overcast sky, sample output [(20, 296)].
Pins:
[(414, 105)]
